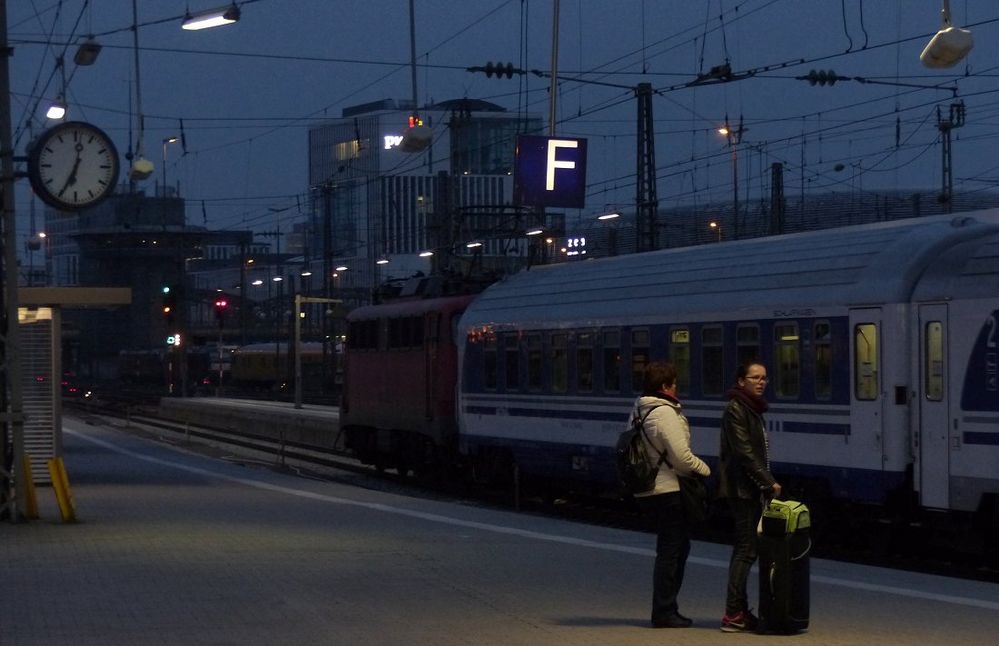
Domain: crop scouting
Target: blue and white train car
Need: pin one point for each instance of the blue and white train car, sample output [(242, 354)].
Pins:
[(880, 342)]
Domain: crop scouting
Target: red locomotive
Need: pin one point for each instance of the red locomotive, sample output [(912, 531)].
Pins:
[(398, 405)]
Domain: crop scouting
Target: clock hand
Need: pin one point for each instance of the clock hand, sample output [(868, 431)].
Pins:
[(72, 174)]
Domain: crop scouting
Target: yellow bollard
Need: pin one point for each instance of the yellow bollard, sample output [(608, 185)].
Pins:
[(60, 483), (30, 497)]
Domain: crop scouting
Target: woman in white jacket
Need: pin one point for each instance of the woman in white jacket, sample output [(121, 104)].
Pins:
[(667, 434)]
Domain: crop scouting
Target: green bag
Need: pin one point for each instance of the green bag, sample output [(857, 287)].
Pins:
[(782, 517)]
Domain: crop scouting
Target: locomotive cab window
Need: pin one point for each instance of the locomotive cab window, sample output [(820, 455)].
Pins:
[(612, 361), (822, 342), (639, 357), (747, 341), (679, 354), (787, 360), (865, 361), (933, 362), (560, 363), (712, 369), (584, 362)]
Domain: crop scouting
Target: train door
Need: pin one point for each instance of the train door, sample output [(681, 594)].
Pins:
[(867, 397), (932, 450)]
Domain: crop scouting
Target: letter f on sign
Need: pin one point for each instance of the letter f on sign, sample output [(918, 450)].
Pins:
[(553, 146)]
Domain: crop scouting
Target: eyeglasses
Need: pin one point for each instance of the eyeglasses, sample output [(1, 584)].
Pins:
[(757, 378)]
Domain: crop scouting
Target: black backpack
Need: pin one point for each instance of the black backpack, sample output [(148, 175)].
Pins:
[(634, 471)]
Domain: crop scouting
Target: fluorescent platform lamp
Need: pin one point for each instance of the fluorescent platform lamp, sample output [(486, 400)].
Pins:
[(211, 18), (426, 254), (608, 216), (534, 232), (382, 261), (57, 110)]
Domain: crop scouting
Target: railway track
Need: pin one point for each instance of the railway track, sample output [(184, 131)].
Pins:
[(852, 534)]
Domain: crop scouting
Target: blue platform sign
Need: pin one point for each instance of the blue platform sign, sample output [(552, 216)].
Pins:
[(550, 171)]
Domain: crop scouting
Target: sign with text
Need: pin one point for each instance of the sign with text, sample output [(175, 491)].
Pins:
[(550, 171)]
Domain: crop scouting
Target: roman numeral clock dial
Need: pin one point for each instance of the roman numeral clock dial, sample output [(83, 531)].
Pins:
[(73, 166)]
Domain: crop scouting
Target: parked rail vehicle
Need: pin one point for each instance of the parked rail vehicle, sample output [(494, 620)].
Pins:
[(152, 367), (398, 404), (269, 366), (880, 341)]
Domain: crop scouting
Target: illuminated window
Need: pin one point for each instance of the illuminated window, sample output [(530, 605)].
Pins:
[(823, 360), (787, 383), (584, 362), (639, 357), (712, 368), (865, 361), (612, 361), (560, 363), (679, 355), (934, 362)]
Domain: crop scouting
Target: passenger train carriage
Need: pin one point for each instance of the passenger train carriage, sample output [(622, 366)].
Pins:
[(880, 341)]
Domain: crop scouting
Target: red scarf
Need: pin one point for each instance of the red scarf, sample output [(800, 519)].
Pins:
[(755, 403)]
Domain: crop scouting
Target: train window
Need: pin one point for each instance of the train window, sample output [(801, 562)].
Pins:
[(679, 355), (787, 360), (612, 361), (512, 361), (712, 377), (933, 362), (639, 357), (363, 335), (489, 362), (584, 362), (560, 363), (823, 360), (534, 362), (416, 332), (865, 361), (747, 341)]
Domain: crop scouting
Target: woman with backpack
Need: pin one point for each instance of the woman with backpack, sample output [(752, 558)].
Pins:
[(667, 435)]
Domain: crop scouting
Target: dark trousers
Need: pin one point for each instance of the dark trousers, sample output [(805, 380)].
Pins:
[(672, 549), (746, 516)]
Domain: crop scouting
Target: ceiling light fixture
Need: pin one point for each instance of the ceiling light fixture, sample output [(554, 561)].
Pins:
[(211, 18)]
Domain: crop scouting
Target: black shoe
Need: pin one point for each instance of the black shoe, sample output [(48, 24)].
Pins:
[(672, 621)]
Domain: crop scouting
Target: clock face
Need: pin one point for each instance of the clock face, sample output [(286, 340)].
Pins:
[(73, 165)]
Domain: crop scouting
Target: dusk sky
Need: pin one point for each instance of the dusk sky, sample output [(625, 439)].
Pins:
[(247, 93)]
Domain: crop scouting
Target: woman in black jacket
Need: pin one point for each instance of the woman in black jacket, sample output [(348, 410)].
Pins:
[(744, 479)]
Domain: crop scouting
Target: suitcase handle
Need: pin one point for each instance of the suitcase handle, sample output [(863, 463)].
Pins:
[(808, 548)]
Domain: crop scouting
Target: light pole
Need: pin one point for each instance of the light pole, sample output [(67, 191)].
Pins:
[(717, 228), (167, 141), (734, 137)]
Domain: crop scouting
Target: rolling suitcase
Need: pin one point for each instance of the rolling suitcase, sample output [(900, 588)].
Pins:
[(784, 543)]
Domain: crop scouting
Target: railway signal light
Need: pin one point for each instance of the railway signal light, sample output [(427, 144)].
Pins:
[(173, 339), (169, 303), (221, 305)]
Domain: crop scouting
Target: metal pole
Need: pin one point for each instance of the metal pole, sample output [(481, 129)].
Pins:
[(10, 359), (298, 351), (554, 87)]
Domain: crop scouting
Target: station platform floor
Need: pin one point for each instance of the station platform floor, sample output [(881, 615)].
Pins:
[(182, 546)]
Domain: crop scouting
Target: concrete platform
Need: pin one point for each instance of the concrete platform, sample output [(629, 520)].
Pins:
[(175, 547)]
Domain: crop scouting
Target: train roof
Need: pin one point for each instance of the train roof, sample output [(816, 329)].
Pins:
[(409, 307), (855, 266)]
